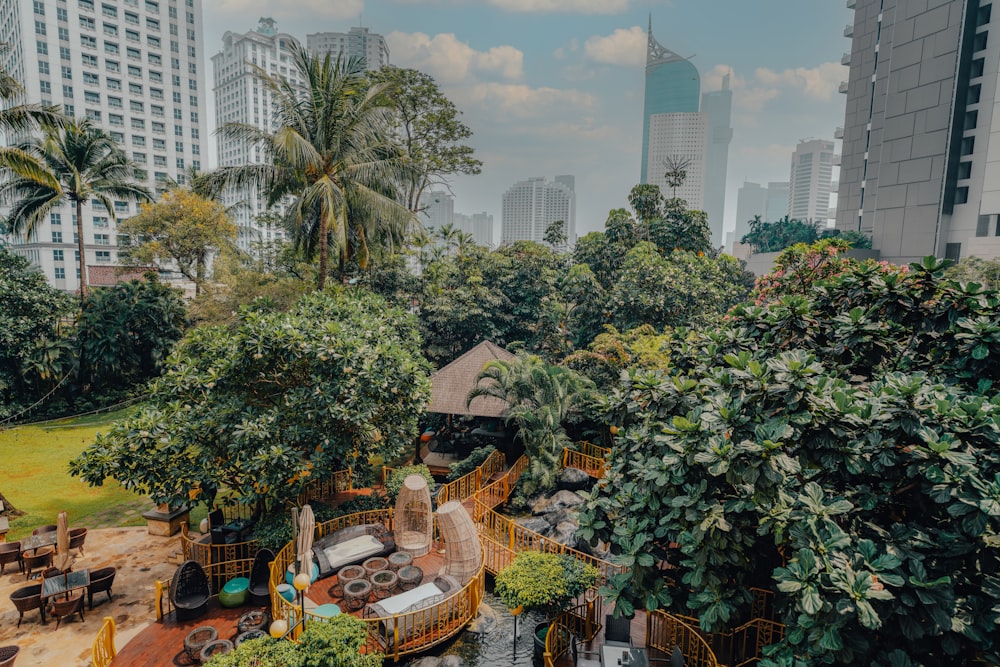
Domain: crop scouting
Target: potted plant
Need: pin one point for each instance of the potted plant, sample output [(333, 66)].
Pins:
[(543, 581)]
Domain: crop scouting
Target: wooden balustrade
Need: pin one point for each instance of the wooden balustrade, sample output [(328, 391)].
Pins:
[(590, 449), (592, 465), (578, 622), (338, 482), (104, 651), (665, 631)]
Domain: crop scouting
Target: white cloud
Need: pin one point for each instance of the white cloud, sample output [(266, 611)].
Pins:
[(318, 9), (574, 6), (624, 47), (450, 60), (518, 101), (818, 82)]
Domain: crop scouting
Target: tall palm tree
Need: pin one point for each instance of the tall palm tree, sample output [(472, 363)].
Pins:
[(82, 163), (331, 159), (19, 120)]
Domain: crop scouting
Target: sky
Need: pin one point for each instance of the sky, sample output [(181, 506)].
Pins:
[(556, 86)]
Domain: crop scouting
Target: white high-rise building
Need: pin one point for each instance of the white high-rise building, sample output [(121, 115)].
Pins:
[(751, 201), (437, 209), (240, 98), (530, 206), (718, 105), (683, 136), (358, 42), (811, 180), (479, 225), (777, 200), (136, 69)]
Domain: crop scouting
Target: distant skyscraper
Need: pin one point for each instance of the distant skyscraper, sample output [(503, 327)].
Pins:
[(679, 135), (777, 200), (920, 172), (672, 86), (530, 206), (811, 177), (115, 63), (718, 105), (437, 209), (479, 225), (357, 43), (240, 98), (750, 201)]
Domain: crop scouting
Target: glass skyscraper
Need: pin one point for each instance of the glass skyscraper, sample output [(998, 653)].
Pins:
[(672, 86)]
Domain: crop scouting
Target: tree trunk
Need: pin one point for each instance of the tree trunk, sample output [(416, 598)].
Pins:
[(323, 251), (8, 509), (80, 247)]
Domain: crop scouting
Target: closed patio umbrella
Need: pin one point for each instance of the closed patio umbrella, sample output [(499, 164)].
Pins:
[(62, 541), (304, 543)]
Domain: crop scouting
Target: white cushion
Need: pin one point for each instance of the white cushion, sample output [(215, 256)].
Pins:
[(352, 550), (399, 603)]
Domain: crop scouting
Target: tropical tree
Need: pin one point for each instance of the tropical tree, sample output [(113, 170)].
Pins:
[(183, 230), (21, 119), (81, 163), (675, 171), (332, 161), (429, 129), (780, 234), (541, 397)]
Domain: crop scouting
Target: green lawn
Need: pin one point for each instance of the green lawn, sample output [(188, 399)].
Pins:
[(34, 477)]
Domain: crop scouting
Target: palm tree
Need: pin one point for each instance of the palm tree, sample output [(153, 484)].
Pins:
[(21, 119), (540, 398), (80, 162), (331, 160), (675, 172)]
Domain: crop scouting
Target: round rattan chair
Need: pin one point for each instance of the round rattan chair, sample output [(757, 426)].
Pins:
[(410, 577), (373, 565), (247, 636), (414, 521), (51, 528), (8, 654), (384, 583), (10, 552), (399, 559), (37, 559), (464, 554)]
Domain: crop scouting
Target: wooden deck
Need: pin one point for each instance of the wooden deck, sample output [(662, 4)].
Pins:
[(162, 643)]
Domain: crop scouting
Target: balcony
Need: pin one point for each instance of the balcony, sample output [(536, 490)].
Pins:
[(842, 88), (845, 59), (849, 30), (836, 160)]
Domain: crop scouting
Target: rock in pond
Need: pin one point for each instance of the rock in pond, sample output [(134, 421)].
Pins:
[(484, 622), (565, 533), (574, 479), (534, 524), (560, 500)]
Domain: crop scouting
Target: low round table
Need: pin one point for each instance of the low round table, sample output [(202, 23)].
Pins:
[(197, 639), (325, 611), (255, 619), (356, 593), (344, 575), (410, 577), (384, 583), (218, 647), (373, 565), (248, 635), (399, 559)]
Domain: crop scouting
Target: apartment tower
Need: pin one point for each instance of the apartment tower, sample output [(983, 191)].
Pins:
[(530, 206)]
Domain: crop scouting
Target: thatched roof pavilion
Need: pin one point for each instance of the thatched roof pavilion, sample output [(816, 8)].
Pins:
[(450, 386)]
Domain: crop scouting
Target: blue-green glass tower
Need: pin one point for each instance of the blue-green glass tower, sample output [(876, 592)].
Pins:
[(672, 86)]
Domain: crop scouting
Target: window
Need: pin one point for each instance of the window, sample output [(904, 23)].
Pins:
[(152, 6), (45, 87), (65, 53), (55, 218), (953, 251), (39, 7), (178, 114), (172, 11), (134, 71), (192, 68), (100, 221), (67, 91), (89, 60), (160, 160), (93, 98), (135, 89), (63, 34), (87, 5), (111, 47), (176, 80), (91, 79), (141, 174), (57, 237), (979, 41), (156, 77), (67, 72), (194, 116), (60, 273), (139, 158), (153, 24), (131, 18), (43, 67), (102, 239), (179, 146), (156, 109), (62, 14), (968, 145), (192, 53), (983, 226), (93, 115), (133, 54), (117, 137), (173, 29), (136, 106), (177, 97), (42, 48), (114, 84), (88, 23), (160, 144), (110, 30), (190, 34), (121, 207), (977, 67), (180, 163), (175, 48), (159, 128), (40, 28), (196, 149), (88, 41), (156, 93), (110, 11), (154, 59), (974, 93), (58, 256), (116, 119), (103, 256), (153, 41), (139, 124), (962, 195)]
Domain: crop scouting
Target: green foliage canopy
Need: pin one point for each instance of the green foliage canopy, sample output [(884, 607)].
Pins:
[(271, 403), (544, 581)]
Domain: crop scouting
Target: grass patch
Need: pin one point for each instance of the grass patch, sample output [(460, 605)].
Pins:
[(34, 477)]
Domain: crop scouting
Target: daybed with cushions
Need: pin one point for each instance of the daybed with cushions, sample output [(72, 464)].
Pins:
[(350, 546), (434, 594)]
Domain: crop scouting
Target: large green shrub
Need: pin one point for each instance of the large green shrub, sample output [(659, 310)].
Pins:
[(333, 643), (544, 581), (394, 482)]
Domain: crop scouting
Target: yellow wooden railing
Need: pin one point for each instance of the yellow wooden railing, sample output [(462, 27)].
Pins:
[(592, 465), (104, 650), (401, 634), (207, 553), (464, 487), (580, 622), (665, 631), (338, 482), (590, 449)]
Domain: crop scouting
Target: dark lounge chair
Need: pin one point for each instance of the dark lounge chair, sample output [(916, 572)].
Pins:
[(189, 591), (37, 559), (618, 629), (51, 528), (67, 607), (260, 575), (10, 552), (76, 539), (100, 582), (26, 599)]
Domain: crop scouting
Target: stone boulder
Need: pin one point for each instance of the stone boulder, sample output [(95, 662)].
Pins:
[(565, 533), (535, 524), (452, 661), (573, 479), (560, 500)]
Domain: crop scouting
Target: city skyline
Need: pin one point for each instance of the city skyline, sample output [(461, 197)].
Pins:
[(556, 87)]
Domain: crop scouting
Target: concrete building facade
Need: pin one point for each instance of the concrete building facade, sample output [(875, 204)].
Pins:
[(135, 69), (479, 225), (685, 136), (777, 200), (811, 180), (920, 172), (356, 43), (718, 106), (437, 209), (751, 200), (530, 206)]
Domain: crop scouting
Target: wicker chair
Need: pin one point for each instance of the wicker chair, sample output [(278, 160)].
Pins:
[(8, 654), (189, 591), (414, 521), (51, 528), (67, 607), (38, 559), (76, 538), (10, 552), (26, 599), (100, 582), (260, 575), (464, 557)]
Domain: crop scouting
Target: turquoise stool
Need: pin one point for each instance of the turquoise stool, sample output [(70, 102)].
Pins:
[(325, 611), (290, 574), (286, 591), (234, 593)]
